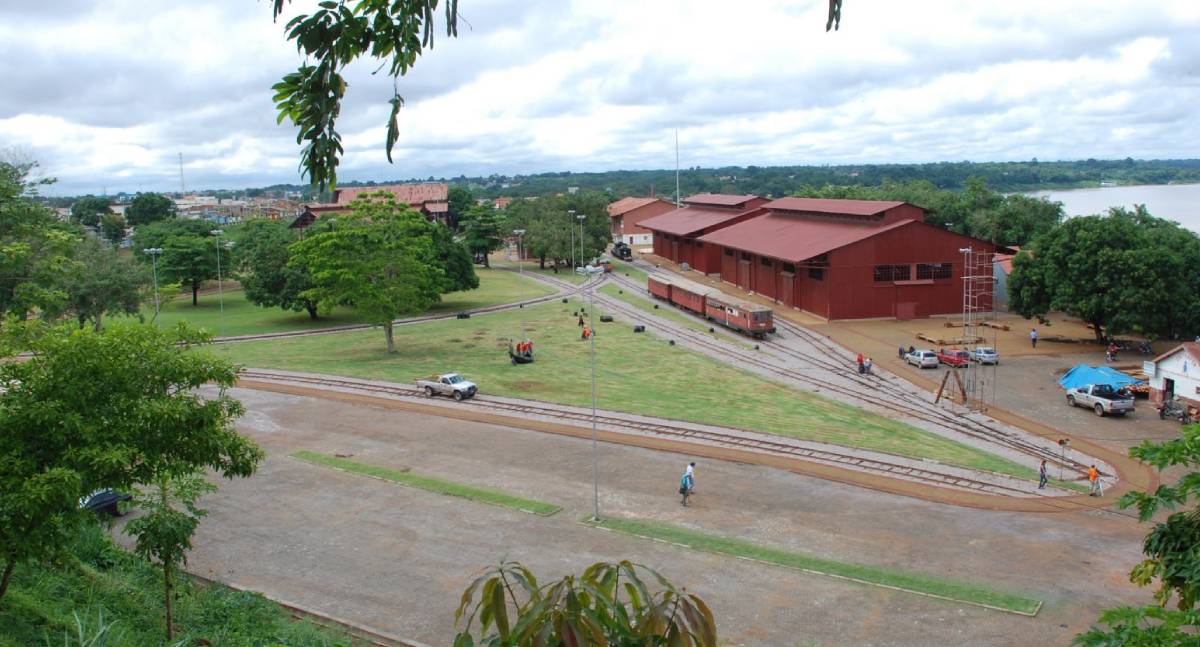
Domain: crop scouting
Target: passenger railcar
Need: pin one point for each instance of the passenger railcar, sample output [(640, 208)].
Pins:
[(714, 305)]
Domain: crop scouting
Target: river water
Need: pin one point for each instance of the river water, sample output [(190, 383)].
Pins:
[(1178, 202)]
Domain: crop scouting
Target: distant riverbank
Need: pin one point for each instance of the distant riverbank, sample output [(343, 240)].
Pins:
[(1178, 202)]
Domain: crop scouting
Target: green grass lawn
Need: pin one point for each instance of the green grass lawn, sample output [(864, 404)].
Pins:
[(629, 269), (874, 575), (668, 312), (563, 274), (635, 372), (244, 318), (431, 484), (96, 584)]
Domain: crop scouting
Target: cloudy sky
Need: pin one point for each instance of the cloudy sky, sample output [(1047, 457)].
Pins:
[(108, 94)]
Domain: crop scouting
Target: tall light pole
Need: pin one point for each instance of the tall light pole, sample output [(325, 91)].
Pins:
[(153, 253), (220, 290), (581, 217), (595, 444), (520, 258), (571, 214)]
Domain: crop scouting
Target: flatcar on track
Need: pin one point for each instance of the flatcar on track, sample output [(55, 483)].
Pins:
[(713, 304)]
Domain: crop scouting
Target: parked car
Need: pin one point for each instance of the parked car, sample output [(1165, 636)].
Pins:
[(1101, 398), (106, 501), (451, 384), (953, 357), (922, 358), (985, 355)]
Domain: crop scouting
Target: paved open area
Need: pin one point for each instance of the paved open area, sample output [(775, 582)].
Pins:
[(397, 559)]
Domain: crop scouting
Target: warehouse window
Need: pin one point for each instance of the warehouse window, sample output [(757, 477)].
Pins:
[(729, 252), (790, 268), (745, 256), (816, 273), (765, 261), (933, 271), (885, 273)]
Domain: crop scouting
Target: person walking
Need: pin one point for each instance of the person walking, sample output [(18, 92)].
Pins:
[(867, 366), (1042, 476), (1094, 477), (860, 363), (687, 483), (900, 352), (1033, 337)]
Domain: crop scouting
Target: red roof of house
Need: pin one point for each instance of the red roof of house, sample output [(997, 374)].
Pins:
[(1190, 347), (413, 194), (794, 240), (625, 205), (1005, 260), (718, 199), (687, 221), (845, 207)]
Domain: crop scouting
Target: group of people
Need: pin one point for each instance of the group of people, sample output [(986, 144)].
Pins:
[(1097, 487), (864, 365), (524, 347)]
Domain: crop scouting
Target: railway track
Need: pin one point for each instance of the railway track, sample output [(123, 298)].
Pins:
[(877, 465), (900, 401)]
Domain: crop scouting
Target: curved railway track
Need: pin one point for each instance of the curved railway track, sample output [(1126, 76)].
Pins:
[(880, 465), (900, 401)]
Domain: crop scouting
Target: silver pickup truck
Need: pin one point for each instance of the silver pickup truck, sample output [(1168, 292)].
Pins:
[(451, 384), (1102, 398)]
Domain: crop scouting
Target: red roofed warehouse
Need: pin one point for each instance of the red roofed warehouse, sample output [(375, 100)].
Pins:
[(676, 233), (430, 198), (846, 259), (627, 215)]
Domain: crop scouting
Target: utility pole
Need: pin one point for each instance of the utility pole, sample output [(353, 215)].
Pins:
[(678, 198)]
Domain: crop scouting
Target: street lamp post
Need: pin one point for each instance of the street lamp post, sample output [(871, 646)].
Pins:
[(153, 253), (220, 290), (520, 258), (595, 444), (581, 217), (571, 214)]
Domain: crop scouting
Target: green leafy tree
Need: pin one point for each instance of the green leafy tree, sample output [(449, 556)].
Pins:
[(553, 233), (1172, 551), (1096, 268), (149, 207), (264, 271), (379, 257), (112, 227), (460, 201), (88, 210), (481, 232), (189, 251), (394, 31), (115, 408), (164, 531), (609, 604), (34, 246), (101, 281), (454, 260)]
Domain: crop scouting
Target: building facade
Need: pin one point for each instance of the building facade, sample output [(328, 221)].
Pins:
[(677, 232), (430, 198), (627, 214), (1176, 373)]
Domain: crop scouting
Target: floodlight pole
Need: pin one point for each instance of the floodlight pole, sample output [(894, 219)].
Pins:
[(153, 253), (571, 213), (220, 290), (520, 260), (595, 444), (581, 217)]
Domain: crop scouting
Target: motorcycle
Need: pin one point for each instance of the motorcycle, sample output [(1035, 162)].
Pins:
[(1175, 410), (1145, 348)]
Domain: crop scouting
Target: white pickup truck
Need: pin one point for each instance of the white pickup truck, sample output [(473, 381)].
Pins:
[(1102, 398), (451, 384)]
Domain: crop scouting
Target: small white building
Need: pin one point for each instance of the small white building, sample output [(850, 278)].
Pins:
[(1176, 373)]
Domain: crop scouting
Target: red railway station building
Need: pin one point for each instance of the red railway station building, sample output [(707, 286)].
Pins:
[(627, 214), (677, 233), (846, 259)]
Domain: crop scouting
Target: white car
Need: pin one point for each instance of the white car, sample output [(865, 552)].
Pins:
[(985, 355), (922, 358)]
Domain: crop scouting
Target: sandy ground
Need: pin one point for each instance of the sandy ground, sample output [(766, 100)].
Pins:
[(397, 558)]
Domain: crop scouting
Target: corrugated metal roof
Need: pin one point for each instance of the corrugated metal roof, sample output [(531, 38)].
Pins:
[(794, 240), (625, 205), (818, 205), (413, 194), (690, 220), (718, 199)]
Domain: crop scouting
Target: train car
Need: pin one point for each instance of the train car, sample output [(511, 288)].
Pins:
[(660, 288), (742, 316), (689, 295)]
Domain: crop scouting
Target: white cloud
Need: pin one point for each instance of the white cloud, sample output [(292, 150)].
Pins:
[(108, 94)]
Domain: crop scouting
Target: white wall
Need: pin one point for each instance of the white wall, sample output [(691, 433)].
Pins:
[(1182, 368), (638, 239)]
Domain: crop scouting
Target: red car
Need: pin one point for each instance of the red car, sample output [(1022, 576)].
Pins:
[(953, 357)]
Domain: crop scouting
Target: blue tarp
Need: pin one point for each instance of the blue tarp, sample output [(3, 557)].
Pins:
[(1083, 375)]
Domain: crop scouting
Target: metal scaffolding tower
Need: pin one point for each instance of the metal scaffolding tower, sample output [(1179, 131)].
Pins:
[(978, 310)]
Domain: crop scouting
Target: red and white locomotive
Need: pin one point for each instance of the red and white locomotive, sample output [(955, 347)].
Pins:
[(714, 305)]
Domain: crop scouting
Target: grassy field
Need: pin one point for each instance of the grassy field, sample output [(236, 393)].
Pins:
[(430, 484), (244, 318), (635, 372), (666, 311), (873, 575), (97, 584), (564, 274)]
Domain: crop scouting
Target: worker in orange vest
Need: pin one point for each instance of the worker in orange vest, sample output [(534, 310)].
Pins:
[(587, 332), (1094, 477)]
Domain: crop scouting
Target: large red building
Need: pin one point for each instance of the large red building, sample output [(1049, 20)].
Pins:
[(676, 233), (846, 259), (430, 198), (627, 215)]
